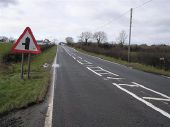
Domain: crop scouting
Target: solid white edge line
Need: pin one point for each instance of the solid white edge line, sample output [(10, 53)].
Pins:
[(163, 95), (145, 102), (49, 114)]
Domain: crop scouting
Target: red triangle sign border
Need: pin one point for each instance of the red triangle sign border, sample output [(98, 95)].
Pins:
[(14, 50)]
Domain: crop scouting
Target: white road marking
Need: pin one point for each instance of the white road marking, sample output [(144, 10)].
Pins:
[(114, 78), (49, 114), (73, 57), (89, 68), (102, 59), (157, 99), (56, 65), (163, 95), (98, 70), (87, 62), (83, 63), (104, 73), (94, 67), (79, 62), (67, 51), (128, 85), (108, 71), (144, 101), (165, 103), (165, 76), (80, 57)]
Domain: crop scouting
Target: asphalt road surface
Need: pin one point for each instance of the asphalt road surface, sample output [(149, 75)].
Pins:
[(91, 92)]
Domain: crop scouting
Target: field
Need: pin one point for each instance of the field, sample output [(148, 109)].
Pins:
[(16, 93)]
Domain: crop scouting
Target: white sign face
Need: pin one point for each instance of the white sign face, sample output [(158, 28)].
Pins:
[(26, 43)]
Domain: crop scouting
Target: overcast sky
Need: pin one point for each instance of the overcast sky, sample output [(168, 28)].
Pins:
[(62, 18)]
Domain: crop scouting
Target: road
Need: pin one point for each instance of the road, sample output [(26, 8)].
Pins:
[(91, 92)]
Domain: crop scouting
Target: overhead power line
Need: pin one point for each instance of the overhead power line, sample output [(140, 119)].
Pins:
[(143, 4), (113, 20)]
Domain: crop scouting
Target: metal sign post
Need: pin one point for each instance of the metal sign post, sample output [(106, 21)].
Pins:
[(29, 65), (22, 66), (26, 43)]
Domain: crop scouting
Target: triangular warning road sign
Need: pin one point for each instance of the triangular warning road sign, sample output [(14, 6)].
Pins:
[(26, 43)]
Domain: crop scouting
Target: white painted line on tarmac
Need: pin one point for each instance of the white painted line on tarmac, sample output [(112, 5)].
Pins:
[(144, 101), (98, 70), (129, 85), (66, 51), (79, 62), (165, 76), (49, 114), (102, 59), (87, 62), (108, 71), (89, 68), (165, 103), (73, 57), (104, 73), (157, 99), (163, 95), (80, 57), (94, 67), (115, 78)]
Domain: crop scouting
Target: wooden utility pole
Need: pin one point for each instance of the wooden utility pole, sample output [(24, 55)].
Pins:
[(29, 65), (22, 66), (130, 29)]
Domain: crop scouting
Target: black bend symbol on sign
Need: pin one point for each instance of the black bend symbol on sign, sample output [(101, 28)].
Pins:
[(27, 43)]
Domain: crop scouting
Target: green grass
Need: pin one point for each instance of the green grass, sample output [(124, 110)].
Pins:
[(4, 49), (16, 93), (138, 66)]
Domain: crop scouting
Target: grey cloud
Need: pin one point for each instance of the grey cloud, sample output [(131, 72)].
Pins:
[(6, 3)]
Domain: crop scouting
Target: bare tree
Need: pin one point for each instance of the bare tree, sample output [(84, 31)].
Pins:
[(69, 40), (122, 38), (100, 37), (85, 36)]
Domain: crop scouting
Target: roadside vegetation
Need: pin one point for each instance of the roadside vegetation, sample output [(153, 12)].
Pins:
[(16, 93), (154, 58)]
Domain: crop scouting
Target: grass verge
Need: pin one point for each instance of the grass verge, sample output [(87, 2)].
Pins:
[(4, 49), (16, 93), (138, 66)]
